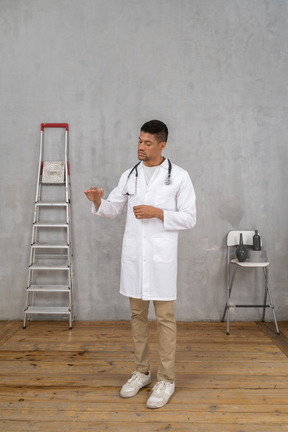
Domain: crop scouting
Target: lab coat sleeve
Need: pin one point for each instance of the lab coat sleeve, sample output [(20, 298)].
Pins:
[(114, 204), (185, 215)]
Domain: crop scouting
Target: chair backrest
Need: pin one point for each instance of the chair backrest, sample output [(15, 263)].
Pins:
[(233, 237)]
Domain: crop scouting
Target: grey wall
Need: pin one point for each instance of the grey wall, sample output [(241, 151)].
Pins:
[(214, 70)]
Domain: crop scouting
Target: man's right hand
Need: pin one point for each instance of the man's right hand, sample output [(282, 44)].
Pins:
[(94, 195)]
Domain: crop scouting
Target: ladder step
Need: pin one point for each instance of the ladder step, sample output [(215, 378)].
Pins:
[(47, 310), (51, 204), (49, 267), (48, 288), (50, 246), (51, 224)]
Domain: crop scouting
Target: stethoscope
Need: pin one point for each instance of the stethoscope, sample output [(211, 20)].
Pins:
[(135, 168)]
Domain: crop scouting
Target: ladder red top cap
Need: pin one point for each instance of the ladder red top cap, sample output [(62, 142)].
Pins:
[(54, 125)]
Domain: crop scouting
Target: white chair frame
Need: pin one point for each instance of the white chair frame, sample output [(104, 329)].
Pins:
[(232, 241)]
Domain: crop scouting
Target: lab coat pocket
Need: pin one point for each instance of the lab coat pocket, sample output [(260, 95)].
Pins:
[(165, 249), (165, 197)]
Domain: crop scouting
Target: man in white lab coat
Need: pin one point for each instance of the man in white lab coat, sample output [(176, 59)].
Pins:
[(160, 201)]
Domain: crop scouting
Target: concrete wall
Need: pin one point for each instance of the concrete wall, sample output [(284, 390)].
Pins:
[(214, 70)]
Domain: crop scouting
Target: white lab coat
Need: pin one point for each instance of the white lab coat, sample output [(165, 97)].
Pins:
[(149, 250)]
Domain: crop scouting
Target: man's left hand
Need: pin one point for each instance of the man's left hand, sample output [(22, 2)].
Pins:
[(148, 212)]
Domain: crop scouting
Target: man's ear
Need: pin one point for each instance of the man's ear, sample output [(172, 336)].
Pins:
[(163, 145)]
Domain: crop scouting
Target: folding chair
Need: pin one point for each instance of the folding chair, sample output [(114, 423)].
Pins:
[(232, 241)]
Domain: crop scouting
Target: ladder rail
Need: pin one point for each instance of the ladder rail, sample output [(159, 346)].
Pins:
[(66, 167), (38, 188)]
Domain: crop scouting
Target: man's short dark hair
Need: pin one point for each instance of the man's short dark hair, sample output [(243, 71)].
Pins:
[(156, 127)]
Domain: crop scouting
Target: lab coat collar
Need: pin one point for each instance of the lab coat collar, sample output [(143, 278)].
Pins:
[(164, 164)]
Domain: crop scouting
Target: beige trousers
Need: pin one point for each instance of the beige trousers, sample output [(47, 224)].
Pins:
[(166, 327)]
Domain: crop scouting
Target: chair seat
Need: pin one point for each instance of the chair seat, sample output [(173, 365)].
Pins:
[(250, 264)]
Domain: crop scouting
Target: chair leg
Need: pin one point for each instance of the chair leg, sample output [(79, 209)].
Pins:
[(227, 298), (266, 290), (227, 310), (228, 321), (275, 321), (227, 306), (271, 302), (224, 314)]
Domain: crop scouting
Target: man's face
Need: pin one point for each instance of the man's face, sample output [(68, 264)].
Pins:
[(149, 149)]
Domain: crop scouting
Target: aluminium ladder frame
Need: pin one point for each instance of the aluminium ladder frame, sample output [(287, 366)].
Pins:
[(34, 267)]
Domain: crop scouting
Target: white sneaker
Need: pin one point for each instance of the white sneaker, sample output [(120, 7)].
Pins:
[(161, 393), (134, 384)]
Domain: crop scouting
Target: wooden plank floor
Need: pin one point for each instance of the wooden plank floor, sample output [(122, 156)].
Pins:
[(56, 379)]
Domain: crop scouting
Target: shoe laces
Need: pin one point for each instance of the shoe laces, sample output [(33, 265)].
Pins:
[(159, 386), (136, 375)]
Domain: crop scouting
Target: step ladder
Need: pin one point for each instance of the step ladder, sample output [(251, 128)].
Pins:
[(50, 276)]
